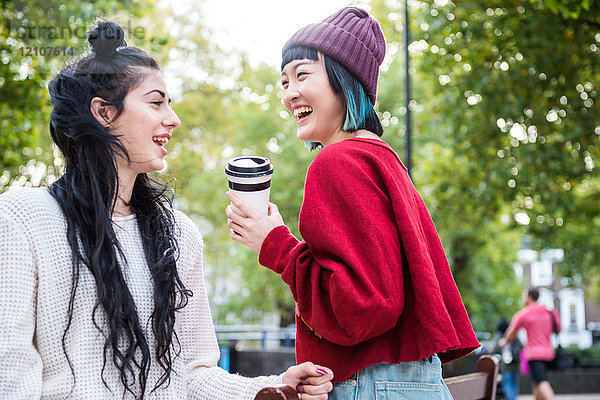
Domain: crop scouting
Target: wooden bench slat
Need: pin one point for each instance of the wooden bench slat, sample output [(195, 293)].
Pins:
[(474, 376), (468, 387)]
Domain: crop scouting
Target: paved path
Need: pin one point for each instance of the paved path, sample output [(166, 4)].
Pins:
[(591, 396)]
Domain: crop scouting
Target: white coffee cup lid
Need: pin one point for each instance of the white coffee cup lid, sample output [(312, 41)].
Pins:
[(249, 166)]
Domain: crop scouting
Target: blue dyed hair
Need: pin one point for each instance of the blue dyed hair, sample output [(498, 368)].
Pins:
[(360, 113)]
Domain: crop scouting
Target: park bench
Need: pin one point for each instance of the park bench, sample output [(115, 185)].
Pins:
[(479, 385)]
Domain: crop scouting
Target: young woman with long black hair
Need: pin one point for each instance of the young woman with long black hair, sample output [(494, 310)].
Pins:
[(101, 288)]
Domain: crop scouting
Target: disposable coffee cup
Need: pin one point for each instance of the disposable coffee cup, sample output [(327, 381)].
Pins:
[(249, 177)]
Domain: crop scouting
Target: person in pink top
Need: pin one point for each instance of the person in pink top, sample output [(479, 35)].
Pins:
[(537, 322)]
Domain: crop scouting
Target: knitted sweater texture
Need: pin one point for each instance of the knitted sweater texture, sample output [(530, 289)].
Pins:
[(35, 286), (370, 279)]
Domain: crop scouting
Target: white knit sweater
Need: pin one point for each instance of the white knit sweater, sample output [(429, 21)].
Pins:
[(35, 285)]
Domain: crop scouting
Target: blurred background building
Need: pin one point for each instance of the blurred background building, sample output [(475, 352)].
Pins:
[(580, 318)]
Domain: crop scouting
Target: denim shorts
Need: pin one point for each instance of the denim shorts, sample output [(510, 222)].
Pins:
[(418, 380)]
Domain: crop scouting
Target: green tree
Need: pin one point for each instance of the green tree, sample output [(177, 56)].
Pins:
[(37, 38), (506, 134), (221, 123)]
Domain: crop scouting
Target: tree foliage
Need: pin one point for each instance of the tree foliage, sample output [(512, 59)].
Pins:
[(505, 133), (247, 118), (27, 31)]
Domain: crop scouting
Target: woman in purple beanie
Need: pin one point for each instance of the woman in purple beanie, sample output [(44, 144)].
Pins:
[(375, 298)]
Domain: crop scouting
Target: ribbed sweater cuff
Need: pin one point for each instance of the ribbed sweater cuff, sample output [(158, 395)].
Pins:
[(276, 249)]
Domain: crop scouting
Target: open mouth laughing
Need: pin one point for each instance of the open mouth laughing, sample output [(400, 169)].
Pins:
[(302, 112), (161, 141)]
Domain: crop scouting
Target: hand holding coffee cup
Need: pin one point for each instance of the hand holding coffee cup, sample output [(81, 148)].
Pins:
[(249, 177), (250, 216), (250, 227)]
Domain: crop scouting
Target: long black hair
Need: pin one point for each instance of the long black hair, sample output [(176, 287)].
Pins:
[(360, 113), (87, 194)]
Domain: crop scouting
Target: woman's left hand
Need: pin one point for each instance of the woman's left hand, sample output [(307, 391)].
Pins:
[(311, 381), (252, 228)]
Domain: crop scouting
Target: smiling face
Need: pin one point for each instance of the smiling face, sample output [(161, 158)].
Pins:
[(145, 125), (308, 95)]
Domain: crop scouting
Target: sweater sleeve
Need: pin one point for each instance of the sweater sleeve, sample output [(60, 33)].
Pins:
[(20, 363), (348, 269), (205, 380)]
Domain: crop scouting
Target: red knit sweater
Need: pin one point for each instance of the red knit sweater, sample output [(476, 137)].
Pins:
[(371, 280)]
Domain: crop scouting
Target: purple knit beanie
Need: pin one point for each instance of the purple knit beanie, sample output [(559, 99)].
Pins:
[(351, 37)]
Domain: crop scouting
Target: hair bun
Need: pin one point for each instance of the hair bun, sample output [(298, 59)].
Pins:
[(106, 38)]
